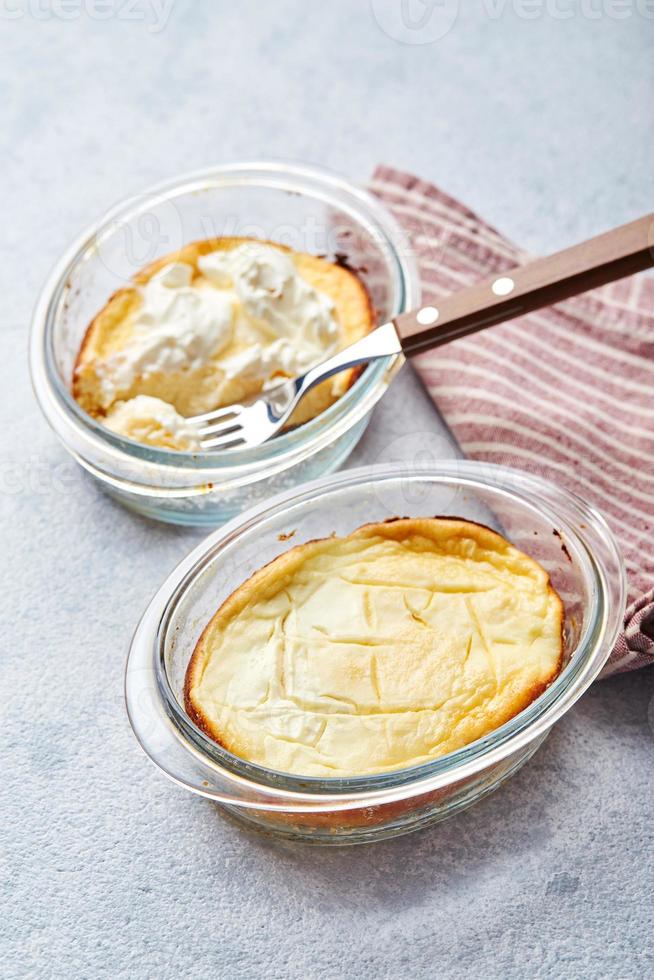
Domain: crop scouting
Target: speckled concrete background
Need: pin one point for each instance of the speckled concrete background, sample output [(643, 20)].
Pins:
[(541, 121)]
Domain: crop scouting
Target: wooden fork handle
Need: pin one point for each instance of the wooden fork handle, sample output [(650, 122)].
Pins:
[(613, 255)]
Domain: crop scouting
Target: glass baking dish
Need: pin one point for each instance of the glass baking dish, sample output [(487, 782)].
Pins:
[(567, 536), (307, 208)]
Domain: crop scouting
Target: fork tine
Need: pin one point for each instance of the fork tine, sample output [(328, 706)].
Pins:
[(220, 428), (221, 443), (217, 414)]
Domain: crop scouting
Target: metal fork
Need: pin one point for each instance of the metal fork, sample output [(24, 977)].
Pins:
[(613, 255), (256, 423)]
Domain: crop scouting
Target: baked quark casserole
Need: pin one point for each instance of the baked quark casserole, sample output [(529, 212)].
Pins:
[(210, 326), (381, 650)]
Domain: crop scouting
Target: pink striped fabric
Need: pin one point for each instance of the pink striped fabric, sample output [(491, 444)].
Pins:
[(567, 392)]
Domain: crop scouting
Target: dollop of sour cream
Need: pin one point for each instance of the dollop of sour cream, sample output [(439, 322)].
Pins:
[(176, 326), (298, 323)]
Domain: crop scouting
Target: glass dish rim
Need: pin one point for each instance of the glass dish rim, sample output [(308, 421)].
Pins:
[(54, 396), (346, 793)]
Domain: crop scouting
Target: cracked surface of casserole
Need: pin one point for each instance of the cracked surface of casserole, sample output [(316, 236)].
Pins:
[(211, 325), (384, 649)]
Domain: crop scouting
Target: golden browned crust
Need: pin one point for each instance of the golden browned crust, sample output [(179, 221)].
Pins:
[(354, 306), (268, 578)]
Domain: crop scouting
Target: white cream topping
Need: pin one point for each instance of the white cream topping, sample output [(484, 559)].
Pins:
[(177, 326), (271, 292), (296, 323), (251, 293)]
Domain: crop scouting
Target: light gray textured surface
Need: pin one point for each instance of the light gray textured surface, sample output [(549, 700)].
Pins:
[(545, 126)]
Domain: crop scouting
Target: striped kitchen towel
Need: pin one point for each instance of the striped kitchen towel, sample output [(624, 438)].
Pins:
[(567, 392)]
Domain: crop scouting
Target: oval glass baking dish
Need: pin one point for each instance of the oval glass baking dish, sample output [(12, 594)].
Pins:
[(566, 535), (306, 208)]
